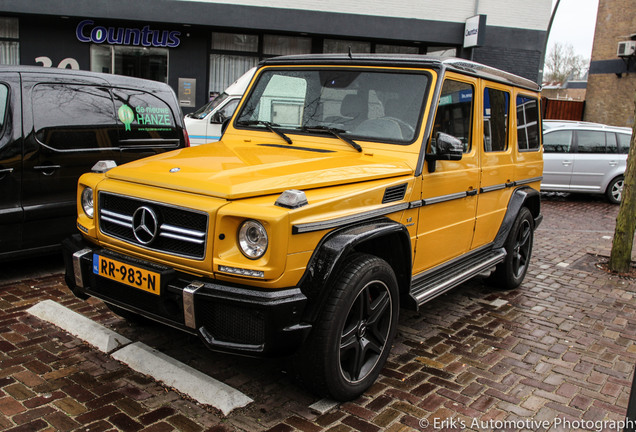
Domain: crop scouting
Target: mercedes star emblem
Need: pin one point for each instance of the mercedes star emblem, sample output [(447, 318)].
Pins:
[(145, 225)]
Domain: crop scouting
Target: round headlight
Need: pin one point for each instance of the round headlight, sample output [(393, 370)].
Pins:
[(252, 239), (87, 201)]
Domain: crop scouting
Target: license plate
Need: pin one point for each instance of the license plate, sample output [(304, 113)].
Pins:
[(127, 274)]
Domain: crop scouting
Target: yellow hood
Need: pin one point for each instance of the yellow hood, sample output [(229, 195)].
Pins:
[(249, 169)]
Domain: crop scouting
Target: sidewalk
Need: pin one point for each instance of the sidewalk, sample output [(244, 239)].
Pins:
[(556, 353)]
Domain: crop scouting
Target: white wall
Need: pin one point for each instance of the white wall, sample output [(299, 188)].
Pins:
[(523, 14)]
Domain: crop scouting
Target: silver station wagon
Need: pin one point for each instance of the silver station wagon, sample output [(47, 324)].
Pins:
[(585, 157)]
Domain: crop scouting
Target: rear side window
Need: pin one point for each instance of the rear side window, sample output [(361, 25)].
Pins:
[(144, 118), (527, 123), (590, 142), (74, 117), (496, 108), (623, 142), (557, 141)]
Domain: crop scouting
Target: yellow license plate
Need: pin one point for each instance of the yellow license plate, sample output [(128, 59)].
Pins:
[(127, 274)]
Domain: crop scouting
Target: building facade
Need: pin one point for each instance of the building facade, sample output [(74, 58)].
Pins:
[(199, 47), (611, 84)]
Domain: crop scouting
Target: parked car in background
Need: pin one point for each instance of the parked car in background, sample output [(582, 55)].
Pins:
[(585, 157), (55, 124), (204, 125)]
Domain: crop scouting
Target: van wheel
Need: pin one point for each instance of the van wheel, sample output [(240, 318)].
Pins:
[(510, 273), (614, 191), (352, 337)]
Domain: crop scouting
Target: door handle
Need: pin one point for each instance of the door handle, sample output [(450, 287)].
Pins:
[(6, 171), (47, 170), (566, 163), (613, 163)]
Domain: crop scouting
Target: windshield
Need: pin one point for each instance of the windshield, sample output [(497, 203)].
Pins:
[(209, 107), (374, 105)]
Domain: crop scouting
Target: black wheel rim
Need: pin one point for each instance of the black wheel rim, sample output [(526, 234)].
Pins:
[(521, 250), (366, 330)]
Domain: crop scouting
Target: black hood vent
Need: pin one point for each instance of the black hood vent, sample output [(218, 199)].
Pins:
[(394, 193)]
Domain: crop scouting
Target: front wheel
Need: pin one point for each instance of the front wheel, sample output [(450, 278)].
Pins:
[(614, 190), (352, 337), (511, 272)]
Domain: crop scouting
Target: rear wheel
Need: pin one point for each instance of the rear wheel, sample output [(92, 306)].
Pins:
[(510, 273), (352, 337), (614, 190)]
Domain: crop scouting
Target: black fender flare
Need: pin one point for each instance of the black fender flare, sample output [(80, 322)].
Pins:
[(522, 197), (339, 243)]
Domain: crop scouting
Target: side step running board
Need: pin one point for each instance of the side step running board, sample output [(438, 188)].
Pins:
[(429, 285)]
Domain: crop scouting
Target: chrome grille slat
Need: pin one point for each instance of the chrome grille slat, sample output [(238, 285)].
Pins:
[(180, 231)]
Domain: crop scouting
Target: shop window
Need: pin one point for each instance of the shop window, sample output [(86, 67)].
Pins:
[(441, 51), (455, 111), (343, 46), (396, 49), (225, 69), (234, 42), (286, 45), (9, 41), (496, 107), (141, 62), (527, 123)]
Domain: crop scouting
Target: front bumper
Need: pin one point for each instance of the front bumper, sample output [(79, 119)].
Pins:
[(235, 319)]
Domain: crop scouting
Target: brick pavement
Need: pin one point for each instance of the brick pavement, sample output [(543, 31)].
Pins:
[(563, 345)]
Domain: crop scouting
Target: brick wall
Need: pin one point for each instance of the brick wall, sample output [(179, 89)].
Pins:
[(610, 98)]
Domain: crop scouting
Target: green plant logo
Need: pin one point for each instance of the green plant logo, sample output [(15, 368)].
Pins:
[(126, 115)]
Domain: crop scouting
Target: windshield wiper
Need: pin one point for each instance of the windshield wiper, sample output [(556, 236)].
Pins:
[(335, 132), (271, 126)]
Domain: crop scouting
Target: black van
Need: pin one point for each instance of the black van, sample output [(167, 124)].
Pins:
[(55, 124)]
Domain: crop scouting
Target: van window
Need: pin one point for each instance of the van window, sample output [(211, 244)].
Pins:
[(527, 123), (623, 142), (610, 140), (557, 141), (74, 117), (590, 141), (496, 108), (4, 98), (143, 116), (455, 111)]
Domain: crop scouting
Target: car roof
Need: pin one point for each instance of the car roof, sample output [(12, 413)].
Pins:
[(406, 60), (551, 125), (112, 79)]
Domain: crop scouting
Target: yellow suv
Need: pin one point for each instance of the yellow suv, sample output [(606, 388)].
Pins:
[(344, 187)]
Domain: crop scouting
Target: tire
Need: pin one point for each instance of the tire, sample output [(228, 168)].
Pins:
[(354, 332), (510, 273), (614, 192)]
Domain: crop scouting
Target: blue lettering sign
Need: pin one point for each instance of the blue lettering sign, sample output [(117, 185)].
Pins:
[(86, 32)]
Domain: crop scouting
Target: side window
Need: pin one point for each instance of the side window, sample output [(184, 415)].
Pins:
[(455, 111), (143, 116), (4, 99), (74, 117), (496, 108), (623, 142), (557, 141), (527, 123), (590, 142), (229, 108)]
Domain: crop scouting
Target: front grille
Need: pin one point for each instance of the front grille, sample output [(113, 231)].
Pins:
[(168, 229)]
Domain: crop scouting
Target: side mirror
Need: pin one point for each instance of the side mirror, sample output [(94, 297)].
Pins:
[(217, 117), (444, 147)]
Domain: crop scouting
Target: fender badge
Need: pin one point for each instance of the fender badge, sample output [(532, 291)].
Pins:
[(174, 170)]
